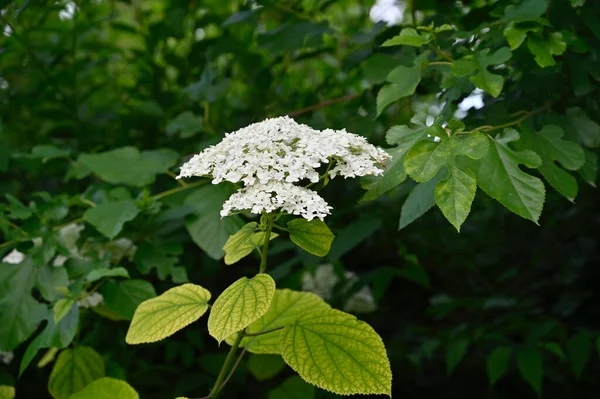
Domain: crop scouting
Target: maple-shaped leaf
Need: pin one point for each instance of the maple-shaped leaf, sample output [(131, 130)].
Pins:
[(479, 62), (499, 175), (548, 143)]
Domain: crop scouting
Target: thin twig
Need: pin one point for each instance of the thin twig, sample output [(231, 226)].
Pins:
[(324, 104), (263, 332), (177, 190)]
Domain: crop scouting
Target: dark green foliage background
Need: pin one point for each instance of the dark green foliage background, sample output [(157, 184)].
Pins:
[(134, 74)]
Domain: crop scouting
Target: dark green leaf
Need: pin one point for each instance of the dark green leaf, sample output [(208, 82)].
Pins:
[(531, 367), (497, 363), (109, 217)]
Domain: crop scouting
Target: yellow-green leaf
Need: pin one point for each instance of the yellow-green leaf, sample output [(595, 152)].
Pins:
[(314, 236), (240, 304), (335, 351), (7, 392), (242, 243), (61, 308), (163, 316), (74, 369), (287, 307), (107, 388)]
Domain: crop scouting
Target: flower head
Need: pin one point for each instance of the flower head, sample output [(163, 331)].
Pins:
[(279, 149), (275, 195), (270, 156)]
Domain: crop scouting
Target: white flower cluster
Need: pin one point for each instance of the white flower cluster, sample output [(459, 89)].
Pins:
[(270, 156), (271, 196)]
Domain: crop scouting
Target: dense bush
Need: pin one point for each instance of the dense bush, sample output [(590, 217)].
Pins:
[(102, 101)]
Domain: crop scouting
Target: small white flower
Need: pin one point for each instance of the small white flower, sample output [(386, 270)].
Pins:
[(6, 357), (389, 11), (14, 257), (59, 261), (91, 301), (273, 196)]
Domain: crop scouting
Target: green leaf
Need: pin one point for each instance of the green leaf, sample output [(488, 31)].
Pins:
[(455, 195), (293, 388), (589, 170), (20, 313), (553, 348), (480, 61), (17, 209), (455, 352), (47, 152), (286, 307), (426, 158), (53, 336), (531, 367), (584, 128), (127, 165), (61, 308), (550, 146), (408, 37), (497, 363), (49, 279), (405, 137), (517, 33), (264, 367), (109, 217), (123, 297), (335, 351), (186, 124), (404, 81), (107, 388), (209, 231), (499, 175), (242, 243), (393, 175), (74, 369), (579, 351), (7, 392), (544, 48), (240, 305), (414, 272), (163, 257), (312, 236), (526, 10), (98, 274), (419, 200), (158, 318)]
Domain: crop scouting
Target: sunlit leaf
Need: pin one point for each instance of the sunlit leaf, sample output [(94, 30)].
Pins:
[(74, 369), (158, 318), (335, 351), (240, 304)]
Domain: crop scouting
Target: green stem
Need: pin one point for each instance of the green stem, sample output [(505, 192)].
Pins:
[(223, 373), (265, 249), (440, 63), (263, 332), (413, 12), (526, 115), (177, 190)]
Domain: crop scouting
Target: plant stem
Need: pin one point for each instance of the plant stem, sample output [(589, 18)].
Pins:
[(217, 387), (324, 104), (413, 12), (526, 115), (440, 63), (177, 190), (235, 366), (265, 249), (263, 332)]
